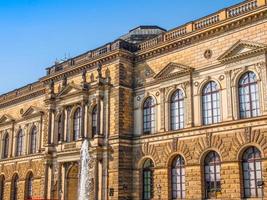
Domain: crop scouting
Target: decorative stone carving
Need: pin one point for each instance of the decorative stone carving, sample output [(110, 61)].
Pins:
[(208, 54)]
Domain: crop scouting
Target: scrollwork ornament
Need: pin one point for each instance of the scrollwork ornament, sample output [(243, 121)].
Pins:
[(234, 74), (91, 185), (208, 139)]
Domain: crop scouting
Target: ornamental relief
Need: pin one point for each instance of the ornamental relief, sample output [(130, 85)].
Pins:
[(247, 136), (235, 74)]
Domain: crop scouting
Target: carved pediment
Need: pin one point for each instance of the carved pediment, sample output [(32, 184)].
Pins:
[(69, 90), (32, 111), (6, 119), (240, 49), (172, 70)]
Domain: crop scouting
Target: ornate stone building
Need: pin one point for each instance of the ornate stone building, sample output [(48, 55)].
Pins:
[(179, 114)]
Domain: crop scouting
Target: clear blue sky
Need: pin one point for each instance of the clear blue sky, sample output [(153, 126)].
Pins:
[(34, 33)]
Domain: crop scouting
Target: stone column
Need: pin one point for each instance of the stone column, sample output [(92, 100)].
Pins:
[(40, 134), (64, 181), (189, 102), (82, 119), (98, 130), (162, 110), (86, 122), (46, 177), (11, 142), (59, 179), (26, 140), (50, 124), (229, 95)]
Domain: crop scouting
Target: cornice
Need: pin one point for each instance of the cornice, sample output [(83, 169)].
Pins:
[(244, 55), (200, 130), (202, 34), (19, 99), (90, 64)]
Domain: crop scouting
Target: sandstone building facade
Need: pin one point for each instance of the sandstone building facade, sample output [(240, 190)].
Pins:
[(179, 114)]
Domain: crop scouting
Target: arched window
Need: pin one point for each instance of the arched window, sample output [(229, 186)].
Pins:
[(2, 187), (252, 173), (60, 128), (211, 103), (14, 187), (148, 179), (177, 110), (149, 116), (33, 140), (94, 121), (19, 143), (5, 146), (29, 187), (212, 174), (248, 96), (77, 119), (178, 178)]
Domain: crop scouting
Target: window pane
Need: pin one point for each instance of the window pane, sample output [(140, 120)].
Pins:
[(210, 104)]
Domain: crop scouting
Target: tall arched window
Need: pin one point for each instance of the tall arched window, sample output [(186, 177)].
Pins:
[(212, 174), (252, 173), (94, 121), (178, 178), (149, 116), (60, 128), (211, 103), (19, 143), (29, 187), (177, 110), (5, 145), (77, 119), (2, 187), (33, 140), (148, 179), (248, 96), (14, 187)]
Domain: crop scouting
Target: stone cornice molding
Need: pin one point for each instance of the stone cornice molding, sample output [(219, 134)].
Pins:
[(242, 49), (173, 70), (32, 112), (14, 100), (6, 119), (200, 35), (90, 64)]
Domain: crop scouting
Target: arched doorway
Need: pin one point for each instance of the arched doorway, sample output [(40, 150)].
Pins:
[(72, 183)]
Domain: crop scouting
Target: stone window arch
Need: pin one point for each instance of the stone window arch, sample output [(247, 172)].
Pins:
[(177, 110), (5, 146), (212, 174), (248, 95), (148, 179), (14, 187), (33, 140), (29, 186), (77, 123), (149, 115), (178, 178), (19, 143), (94, 121), (211, 103), (60, 127), (252, 173)]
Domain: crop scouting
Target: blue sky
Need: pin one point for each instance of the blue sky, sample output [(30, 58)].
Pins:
[(34, 33)]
